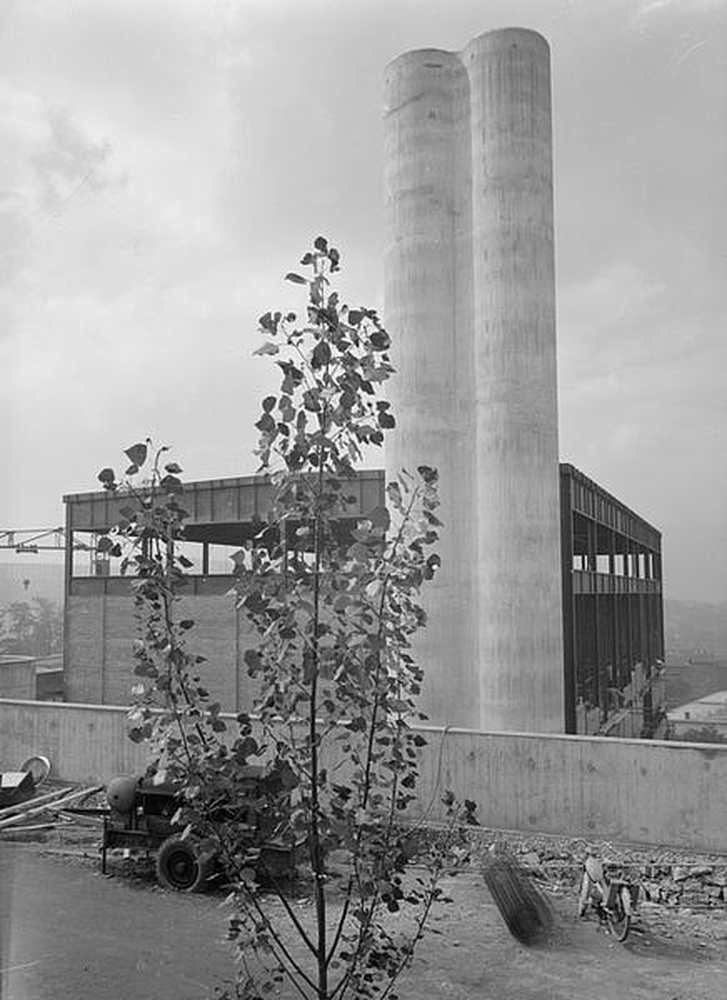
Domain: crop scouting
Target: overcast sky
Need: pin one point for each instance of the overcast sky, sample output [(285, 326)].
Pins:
[(164, 163)]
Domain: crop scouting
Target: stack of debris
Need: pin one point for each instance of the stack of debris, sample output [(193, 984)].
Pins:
[(686, 885), (671, 878), (676, 878), (24, 812)]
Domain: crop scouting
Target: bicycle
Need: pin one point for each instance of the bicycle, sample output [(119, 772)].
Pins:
[(614, 900)]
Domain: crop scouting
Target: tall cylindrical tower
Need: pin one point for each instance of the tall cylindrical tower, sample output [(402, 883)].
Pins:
[(470, 305), (518, 521), (428, 269)]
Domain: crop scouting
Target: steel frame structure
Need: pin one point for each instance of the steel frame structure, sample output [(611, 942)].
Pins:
[(611, 576), (612, 602)]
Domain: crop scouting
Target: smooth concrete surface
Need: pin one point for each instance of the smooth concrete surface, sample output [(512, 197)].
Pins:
[(428, 311), (518, 505), (632, 791), (87, 744), (470, 303)]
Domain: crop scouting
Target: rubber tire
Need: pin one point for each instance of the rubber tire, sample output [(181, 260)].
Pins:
[(620, 917), (180, 865)]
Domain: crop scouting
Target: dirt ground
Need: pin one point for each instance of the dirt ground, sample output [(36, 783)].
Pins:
[(468, 952), (667, 956)]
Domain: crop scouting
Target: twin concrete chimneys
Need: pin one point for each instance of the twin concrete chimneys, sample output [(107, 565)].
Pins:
[(470, 301)]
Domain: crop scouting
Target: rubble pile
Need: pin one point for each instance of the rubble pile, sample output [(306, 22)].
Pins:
[(673, 878), (669, 877), (36, 815)]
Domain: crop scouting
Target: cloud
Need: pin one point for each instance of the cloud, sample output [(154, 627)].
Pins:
[(651, 7), (170, 160), (643, 409), (68, 160)]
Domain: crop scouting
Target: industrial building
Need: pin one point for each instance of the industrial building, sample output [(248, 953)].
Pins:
[(613, 624), (611, 602), (546, 615)]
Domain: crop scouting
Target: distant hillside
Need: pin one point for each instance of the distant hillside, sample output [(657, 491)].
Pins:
[(23, 581), (690, 626), (693, 625)]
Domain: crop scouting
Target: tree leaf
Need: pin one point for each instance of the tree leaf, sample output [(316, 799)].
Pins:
[(297, 279), (267, 348), (428, 474), (136, 454), (269, 322), (380, 340), (379, 518), (108, 478), (266, 423), (321, 354), (170, 484), (252, 659)]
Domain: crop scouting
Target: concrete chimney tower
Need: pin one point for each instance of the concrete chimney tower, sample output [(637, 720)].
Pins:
[(470, 304)]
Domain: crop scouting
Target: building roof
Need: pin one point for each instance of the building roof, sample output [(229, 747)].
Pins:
[(243, 499), (710, 708), (593, 501), (217, 507)]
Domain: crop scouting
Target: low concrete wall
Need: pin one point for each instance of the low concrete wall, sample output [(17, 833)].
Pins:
[(84, 743), (636, 791)]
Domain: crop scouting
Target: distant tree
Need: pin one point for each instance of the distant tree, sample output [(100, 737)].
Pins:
[(31, 628)]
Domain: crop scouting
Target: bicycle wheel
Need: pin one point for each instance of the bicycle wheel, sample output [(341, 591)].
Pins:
[(619, 914)]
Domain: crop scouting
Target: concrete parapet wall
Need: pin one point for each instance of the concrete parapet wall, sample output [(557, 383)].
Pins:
[(635, 791), (87, 744)]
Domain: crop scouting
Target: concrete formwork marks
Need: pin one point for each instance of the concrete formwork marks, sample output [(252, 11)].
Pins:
[(470, 302)]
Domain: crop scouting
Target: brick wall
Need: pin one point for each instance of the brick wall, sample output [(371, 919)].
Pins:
[(84, 648), (17, 677), (100, 631)]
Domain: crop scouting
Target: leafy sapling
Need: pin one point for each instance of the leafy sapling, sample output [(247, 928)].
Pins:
[(333, 592), (332, 588)]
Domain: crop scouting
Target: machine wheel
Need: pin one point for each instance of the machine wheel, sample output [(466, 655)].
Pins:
[(619, 914), (182, 866)]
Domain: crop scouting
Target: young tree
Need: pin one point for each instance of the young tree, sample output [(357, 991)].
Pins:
[(333, 595)]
